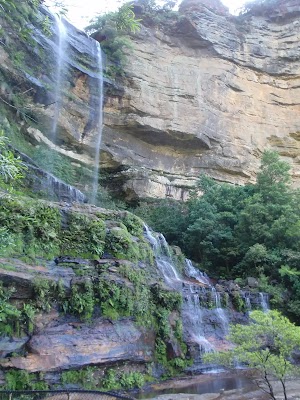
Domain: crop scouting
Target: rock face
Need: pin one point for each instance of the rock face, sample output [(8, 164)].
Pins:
[(208, 96), (205, 92), (68, 346)]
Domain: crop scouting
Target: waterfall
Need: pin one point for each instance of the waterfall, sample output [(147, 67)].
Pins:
[(196, 273), (193, 315), (63, 191), (99, 122), (247, 302), (220, 312), (203, 278), (192, 312), (264, 302), (58, 92), (163, 259)]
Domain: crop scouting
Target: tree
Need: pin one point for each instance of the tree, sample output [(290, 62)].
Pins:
[(266, 344)]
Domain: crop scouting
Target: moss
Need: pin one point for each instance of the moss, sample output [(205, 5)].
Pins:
[(134, 224), (84, 236), (225, 300), (169, 300), (121, 245)]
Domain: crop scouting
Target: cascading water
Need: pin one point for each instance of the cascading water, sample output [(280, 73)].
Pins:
[(191, 310), (196, 273), (61, 33), (193, 316), (99, 122), (248, 302), (264, 302), (221, 315)]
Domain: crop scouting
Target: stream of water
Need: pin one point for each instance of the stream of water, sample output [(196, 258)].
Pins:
[(61, 33), (99, 122)]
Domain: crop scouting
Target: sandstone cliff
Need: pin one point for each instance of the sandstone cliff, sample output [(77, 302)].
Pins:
[(207, 95)]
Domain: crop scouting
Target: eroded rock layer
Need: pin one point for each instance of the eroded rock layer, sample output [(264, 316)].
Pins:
[(207, 95)]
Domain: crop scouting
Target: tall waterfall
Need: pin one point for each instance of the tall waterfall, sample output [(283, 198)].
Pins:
[(61, 33), (99, 123)]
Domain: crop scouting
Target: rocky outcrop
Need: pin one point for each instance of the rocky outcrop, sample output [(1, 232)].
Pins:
[(64, 346)]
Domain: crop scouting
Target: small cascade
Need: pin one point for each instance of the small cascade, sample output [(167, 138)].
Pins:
[(59, 74), (151, 238), (99, 123), (264, 302), (193, 316), (63, 191), (216, 299), (220, 312), (163, 259), (196, 273), (192, 312), (247, 301)]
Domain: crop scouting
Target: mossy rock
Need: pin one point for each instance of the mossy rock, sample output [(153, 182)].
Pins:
[(121, 244), (84, 236)]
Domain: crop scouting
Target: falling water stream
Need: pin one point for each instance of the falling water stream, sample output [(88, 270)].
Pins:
[(99, 123), (61, 33)]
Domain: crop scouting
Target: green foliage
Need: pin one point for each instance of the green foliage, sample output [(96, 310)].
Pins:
[(22, 380), (84, 377), (267, 345), (14, 320), (275, 290), (133, 223), (113, 380), (122, 245), (33, 227), (125, 19), (132, 380), (9, 314), (168, 299), (82, 300), (43, 294), (114, 28), (167, 216), (84, 236), (11, 167), (238, 302)]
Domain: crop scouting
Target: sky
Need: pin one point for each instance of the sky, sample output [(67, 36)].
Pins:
[(81, 11)]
